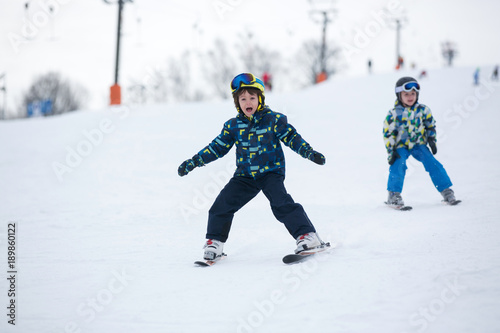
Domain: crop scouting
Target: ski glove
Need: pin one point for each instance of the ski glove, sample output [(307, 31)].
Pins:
[(316, 157), (393, 156), (432, 143), (188, 165)]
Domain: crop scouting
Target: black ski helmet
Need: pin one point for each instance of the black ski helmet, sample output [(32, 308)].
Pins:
[(401, 82)]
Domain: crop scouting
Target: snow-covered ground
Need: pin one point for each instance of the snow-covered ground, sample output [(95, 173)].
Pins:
[(107, 232)]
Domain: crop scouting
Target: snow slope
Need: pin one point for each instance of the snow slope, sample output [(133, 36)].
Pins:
[(106, 231)]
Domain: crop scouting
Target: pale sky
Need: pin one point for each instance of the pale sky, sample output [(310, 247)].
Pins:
[(78, 39)]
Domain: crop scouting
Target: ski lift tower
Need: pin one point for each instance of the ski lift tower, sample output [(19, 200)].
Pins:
[(3, 88), (398, 23), (321, 12), (115, 90)]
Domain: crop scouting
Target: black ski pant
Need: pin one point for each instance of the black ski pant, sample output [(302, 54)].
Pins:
[(240, 190)]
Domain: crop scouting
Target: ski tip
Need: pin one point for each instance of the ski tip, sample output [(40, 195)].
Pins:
[(294, 258), (301, 256), (453, 203), (396, 207), (202, 263)]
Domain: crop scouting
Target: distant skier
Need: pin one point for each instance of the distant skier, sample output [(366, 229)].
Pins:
[(401, 63), (257, 132), (476, 76), (494, 75), (408, 128), (268, 81)]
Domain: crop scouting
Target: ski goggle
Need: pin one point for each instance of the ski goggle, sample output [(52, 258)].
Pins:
[(409, 86), (246, 80)]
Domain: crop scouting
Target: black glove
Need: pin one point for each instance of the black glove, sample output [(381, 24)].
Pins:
[(393, 157), (188, 165), (432, 143), (316, 157)]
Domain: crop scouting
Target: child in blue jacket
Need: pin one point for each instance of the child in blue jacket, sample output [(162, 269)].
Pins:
[(408, 128), (257, 132)]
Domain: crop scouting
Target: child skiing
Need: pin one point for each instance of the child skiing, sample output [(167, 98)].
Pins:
[(408, 128), (256, 131)]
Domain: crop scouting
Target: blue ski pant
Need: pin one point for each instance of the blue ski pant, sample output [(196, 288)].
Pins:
[(421, 153), (240, 190)]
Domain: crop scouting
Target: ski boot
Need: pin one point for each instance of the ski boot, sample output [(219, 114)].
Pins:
[(307, 242), (213, 249), (395, 199), (449, 197)]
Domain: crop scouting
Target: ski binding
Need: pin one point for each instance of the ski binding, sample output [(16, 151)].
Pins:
[(207, 263), (306, 254)]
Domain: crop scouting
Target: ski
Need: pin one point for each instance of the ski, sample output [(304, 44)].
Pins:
[(205, 263), (452, 203), (299, 257), (399, 207), (208, 263)]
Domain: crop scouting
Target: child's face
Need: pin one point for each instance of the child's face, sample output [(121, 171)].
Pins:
[(408, 97), (248, 103)]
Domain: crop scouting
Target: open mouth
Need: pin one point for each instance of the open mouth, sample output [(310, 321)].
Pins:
[(249, 110)]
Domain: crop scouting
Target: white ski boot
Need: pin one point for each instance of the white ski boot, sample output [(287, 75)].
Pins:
[(307, 242), (213, 249)]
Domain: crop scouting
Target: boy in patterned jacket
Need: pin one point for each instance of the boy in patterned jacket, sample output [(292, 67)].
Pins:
[(408, 128), (257, 132)]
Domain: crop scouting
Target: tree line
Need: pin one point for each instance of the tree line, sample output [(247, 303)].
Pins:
[(194, 76)]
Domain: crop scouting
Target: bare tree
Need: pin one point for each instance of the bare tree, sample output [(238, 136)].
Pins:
[(161, 85), (310, 59), (151, 88), (219, 68), (64, 95), (179, 77), (257, 59), (157, 87), (185, 79), (137, 93)]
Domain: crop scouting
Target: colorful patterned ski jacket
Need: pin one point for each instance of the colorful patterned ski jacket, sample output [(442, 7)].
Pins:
[(408, 126), (257, 140)]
